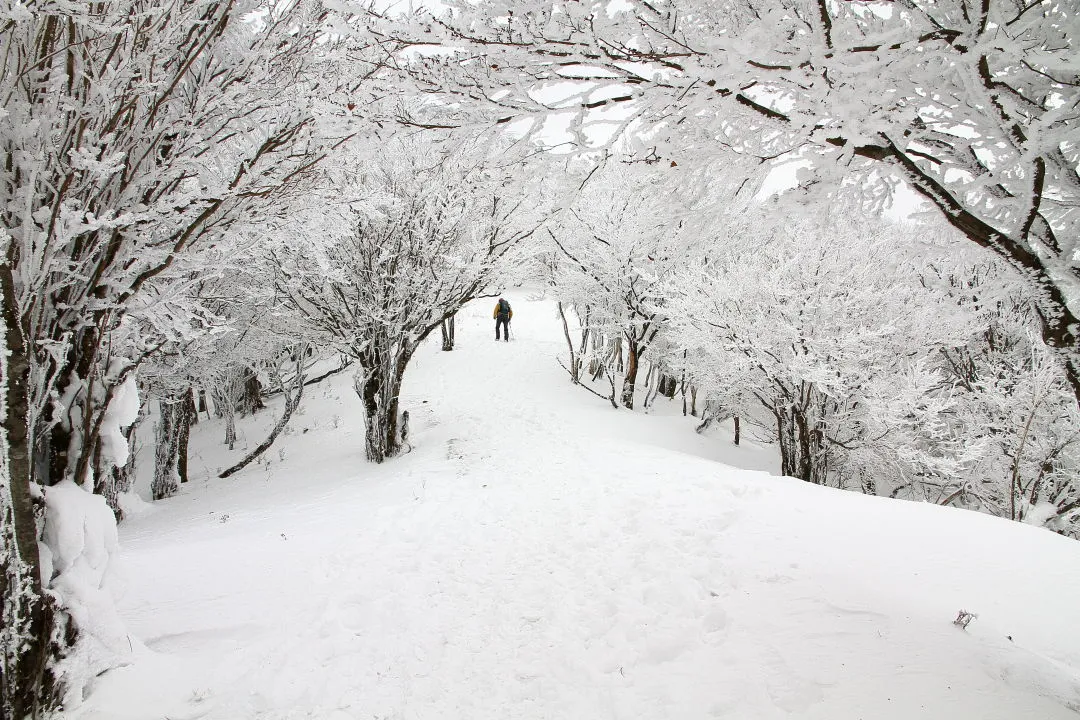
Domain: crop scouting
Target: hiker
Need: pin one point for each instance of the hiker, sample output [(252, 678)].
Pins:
[(502, 316)]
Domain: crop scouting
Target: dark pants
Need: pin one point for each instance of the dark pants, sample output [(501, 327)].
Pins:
[(505, 322)]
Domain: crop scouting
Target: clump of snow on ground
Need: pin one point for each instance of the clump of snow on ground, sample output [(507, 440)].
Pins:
[(80, 541), (539, 554)]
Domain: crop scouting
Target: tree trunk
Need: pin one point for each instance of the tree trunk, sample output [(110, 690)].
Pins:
[(682, 385), (71, 441), (737, 433), (802, 452), (707, 419), (378, 384), (292, 401), (785, 430), (251, 395), (629, 380), (114, 481), (165, 483), (26, 686), (448, 334), (224, 408), (575, 362), (184, 419), (653, 381)]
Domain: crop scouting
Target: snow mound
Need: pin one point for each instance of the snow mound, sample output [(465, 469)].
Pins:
[(80, 542)]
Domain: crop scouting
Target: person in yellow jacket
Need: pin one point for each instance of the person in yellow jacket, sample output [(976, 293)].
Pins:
[(502, 316)]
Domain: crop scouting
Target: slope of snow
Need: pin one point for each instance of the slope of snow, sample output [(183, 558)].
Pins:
[(541, 555)]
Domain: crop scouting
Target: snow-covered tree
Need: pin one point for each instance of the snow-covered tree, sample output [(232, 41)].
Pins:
[(410, 234), (827, 328), (618, 241), (26, 611), (228, 341), (1011, 402), (133, 131), (973, 105), (886, 360)]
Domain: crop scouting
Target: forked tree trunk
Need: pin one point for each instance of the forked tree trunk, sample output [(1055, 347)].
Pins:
[(802, 451), (448, 334), (378, 383), (789, 453), (574, 368), (223, 407), (652, 384)]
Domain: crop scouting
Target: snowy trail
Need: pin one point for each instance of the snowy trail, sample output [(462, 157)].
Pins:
[(540, 555)]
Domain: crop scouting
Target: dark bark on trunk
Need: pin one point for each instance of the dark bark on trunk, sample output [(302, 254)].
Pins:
[(378, 386), (630, 379), (185, 418), (682, 385), (112, 482), (786, 434), (652, 385), (26, 686), (448, 334), (707, 419), (737, 430), (801, 445), (251, 397), (84, 416), (165, 472)]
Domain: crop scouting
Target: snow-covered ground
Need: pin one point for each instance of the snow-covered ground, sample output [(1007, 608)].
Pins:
[(542, 555)]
